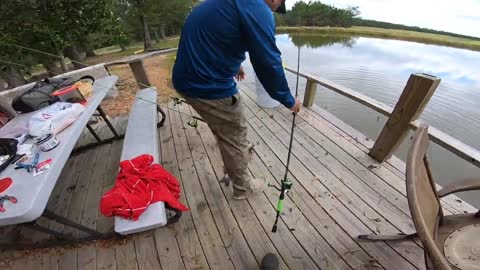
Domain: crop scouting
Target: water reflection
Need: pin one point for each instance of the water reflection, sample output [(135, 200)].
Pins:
[(379, 68), (316, 41)]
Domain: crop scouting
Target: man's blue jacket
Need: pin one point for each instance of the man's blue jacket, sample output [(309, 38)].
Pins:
[(213, 43)]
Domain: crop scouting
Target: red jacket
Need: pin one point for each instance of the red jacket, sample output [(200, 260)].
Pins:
[(139, 184)]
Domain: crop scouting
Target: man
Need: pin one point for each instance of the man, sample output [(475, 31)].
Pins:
[(214, 40)]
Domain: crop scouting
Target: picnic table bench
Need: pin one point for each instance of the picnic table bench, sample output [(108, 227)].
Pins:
[(141, 138)]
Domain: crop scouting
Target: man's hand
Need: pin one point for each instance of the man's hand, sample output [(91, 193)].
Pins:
[(298, 105), (241, 74)]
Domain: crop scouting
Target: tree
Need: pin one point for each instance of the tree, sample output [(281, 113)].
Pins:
[(74, 30), (315, 13), (167, 16), (280, 20), (49, 29), (117, 32), (140, 9), (170, 15), (15, 61), (45, 30)]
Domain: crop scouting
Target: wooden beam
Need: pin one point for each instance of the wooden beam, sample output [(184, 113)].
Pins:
[(289, 69), (446, 141), (135, 58), (451, 144), (140, 74), (415, 96), (310, 92)]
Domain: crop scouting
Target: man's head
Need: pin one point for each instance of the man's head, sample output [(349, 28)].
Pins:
[(277, 6)]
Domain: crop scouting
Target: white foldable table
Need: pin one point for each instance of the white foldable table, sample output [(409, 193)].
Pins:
[(32, 192)]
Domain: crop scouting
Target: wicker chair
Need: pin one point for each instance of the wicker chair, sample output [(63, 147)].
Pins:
[(450, 242)]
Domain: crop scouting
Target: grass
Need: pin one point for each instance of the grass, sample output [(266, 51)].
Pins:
[(158, 67), (168, 43), (390, 34), (170, 61), (112, 53), (108, 54)]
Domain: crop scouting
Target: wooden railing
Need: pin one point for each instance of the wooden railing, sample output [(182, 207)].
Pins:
[(401, 119)]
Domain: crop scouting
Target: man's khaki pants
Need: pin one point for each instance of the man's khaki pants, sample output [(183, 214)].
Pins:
[(226, 119)]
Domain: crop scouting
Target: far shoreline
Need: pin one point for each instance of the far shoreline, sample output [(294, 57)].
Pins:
[(426, 38)]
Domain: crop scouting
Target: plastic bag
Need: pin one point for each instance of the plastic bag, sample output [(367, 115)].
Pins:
[(54, 118), (14, 130)]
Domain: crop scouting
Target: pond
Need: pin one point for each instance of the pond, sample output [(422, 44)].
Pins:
[(380, 68)]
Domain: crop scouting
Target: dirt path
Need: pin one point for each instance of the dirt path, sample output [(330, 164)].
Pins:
[(159, 71)]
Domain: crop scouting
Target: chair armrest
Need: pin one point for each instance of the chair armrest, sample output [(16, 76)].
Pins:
[(468, 184)]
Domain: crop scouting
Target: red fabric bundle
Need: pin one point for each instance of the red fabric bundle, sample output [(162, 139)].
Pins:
[(139, 184)]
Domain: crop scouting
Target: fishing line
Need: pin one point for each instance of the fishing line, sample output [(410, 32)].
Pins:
[(12, 63), (177, 100), (286, 183), (78, 62)]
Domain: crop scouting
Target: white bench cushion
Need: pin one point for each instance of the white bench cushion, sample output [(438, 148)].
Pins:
[(141, 138)]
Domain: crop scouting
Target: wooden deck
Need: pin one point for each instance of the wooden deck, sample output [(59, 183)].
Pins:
[(339, 192)]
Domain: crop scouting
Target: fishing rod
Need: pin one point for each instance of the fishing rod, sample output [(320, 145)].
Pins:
[(287, 183), (176, 100)]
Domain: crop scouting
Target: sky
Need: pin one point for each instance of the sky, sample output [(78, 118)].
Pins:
[(460, 16)]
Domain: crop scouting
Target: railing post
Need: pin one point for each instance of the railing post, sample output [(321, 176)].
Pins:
[(415, 96), (310, 92), (140, 74)]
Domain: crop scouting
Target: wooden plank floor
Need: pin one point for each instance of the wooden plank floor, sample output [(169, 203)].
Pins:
[(339, 192)]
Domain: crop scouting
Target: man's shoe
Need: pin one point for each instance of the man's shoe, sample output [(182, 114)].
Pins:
[(257, 185)]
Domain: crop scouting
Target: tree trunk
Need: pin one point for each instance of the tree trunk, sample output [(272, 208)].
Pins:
[(123, 47), (147, 41), (156, 36), (63, 65), (52, 68), (12, 76), (76, 56), (90, 52), (162, 31)]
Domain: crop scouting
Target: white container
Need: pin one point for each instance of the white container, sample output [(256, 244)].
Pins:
[(263, 98), (47, 142)]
